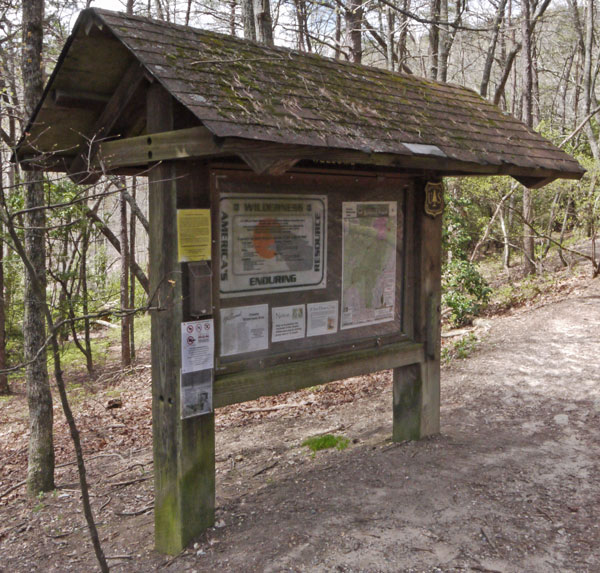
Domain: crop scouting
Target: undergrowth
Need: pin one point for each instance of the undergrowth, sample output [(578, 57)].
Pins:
[(459, 349)]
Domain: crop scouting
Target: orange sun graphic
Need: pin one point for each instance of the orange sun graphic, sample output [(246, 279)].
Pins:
[(263, 239)]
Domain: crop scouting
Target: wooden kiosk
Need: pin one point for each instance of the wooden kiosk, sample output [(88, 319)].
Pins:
[(295, 219)]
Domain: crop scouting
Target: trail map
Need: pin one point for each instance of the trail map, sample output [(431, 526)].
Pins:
[(369, 237)]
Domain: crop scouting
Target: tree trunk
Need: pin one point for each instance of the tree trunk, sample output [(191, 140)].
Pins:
[(338, 35), (299, 25), (125, 343), (444, 42), (402, 51), (85, 243), (588, 92), (390, 41), (4, 389), (248, 20), (527, 116), (132, 243), (354, 20), (505, 241), (434, 38), (40, 470), (535, 96), (263, 22), (232, 22), (489, 60)]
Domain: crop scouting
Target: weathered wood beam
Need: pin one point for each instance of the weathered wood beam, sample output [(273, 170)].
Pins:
[(535, 182), (79, 170), (79, 99), (184, 449), (249, 385), (264, 165), (144, 149), (274, 158)]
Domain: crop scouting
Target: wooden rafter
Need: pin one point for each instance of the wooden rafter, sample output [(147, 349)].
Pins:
[(79, 170)]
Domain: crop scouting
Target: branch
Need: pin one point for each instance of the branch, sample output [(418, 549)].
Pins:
[(104, 229), (507, 69), (133, 204), (421, 20), (489, 226), (579, 127)]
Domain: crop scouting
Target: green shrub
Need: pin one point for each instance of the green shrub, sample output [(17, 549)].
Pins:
[(465, 291)]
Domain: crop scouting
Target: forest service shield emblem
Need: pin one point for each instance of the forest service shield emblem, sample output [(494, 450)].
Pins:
[(434, 198)]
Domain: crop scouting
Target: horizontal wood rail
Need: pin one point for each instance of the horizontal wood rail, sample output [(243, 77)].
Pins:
[(244, 386), (275, 158)]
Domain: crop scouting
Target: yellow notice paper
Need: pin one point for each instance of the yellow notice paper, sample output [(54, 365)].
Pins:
[(193, 235)]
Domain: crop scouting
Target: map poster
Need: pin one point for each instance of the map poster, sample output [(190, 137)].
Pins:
[(271, 243), (244, 329), (322, 318), (288, 322), (369, 237)]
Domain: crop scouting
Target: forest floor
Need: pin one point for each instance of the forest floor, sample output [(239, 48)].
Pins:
[(511, 484)]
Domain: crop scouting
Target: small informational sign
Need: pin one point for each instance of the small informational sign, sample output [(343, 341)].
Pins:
[(369, 237), (196, 393), (272, 243), (244, 329), (193, 235), (288, 323), (434, 198), (197, 345), (322, 318)]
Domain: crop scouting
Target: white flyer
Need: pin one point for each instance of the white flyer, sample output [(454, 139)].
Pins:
[(244, 329), (288, 322), (197, 345), (322, 318), (196, 393)]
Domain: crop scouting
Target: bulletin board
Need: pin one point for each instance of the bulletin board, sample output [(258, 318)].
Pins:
[(305, 265)]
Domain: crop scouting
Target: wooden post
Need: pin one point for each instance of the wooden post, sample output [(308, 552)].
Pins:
[(184, 464), (416, 388)]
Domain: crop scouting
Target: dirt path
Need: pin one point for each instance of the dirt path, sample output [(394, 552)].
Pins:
[(512, 484)]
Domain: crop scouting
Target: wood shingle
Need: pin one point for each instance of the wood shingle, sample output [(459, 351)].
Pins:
[(244, 90)]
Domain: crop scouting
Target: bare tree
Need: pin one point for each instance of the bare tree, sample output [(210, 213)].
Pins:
[(248, 19), (4, 388), (527, 107), (588, 92), (489, 59), (263, 22), (353, 15), (125, 257), (40, 470)]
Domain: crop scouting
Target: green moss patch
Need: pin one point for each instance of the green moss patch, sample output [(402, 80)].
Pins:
[(325, 442)]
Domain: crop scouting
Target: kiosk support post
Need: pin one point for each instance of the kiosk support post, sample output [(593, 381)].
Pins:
[(416, 387), (184, 465)]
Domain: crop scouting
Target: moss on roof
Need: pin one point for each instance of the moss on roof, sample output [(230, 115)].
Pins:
[(244, 89)]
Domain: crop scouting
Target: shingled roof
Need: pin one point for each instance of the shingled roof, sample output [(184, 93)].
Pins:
[(241, 89)]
